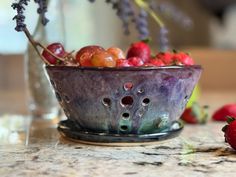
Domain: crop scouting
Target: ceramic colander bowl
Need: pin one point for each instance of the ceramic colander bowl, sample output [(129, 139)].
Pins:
[(123, 102)]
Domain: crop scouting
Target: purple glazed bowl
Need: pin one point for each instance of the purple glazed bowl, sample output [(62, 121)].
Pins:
[(123, 101)]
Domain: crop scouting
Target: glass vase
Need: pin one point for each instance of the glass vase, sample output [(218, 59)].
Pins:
[(42, 102)]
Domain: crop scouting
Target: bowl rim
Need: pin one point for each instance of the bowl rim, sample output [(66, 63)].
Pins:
[(124, 68)]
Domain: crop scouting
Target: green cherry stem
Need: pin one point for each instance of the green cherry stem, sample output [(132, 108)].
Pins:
[(36, 44)]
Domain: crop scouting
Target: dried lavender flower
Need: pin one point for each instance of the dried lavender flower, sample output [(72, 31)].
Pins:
[(163, 39), (19, 17), (42, 9), (171, 11), (142, 24), (124, 11)]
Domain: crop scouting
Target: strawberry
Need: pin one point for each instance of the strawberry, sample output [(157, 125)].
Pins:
[(230, 132), (123, 63), (222, 113), (182, 58), (195, 114), (156, 62), (141, 50), (166, 57), (135, 61)]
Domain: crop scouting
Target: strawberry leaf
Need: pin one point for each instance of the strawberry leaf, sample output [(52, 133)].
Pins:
[(147, 40), (175, 51), (230, 119), (153, 55)]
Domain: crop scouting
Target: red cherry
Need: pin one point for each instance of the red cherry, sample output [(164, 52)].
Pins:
[(85, 54), (157, 62), (136, 61), (57, 49), (141, 50), (123, 63)]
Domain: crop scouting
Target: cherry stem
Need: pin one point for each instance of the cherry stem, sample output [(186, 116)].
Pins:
[(37, 44), (69, 54)]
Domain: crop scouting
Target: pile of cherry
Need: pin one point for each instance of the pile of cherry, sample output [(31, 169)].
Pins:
[(138, 55)]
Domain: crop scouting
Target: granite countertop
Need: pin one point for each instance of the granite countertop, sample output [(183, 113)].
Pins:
[(37, 150)]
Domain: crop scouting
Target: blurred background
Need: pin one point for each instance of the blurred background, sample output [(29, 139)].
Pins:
[(204, 28)]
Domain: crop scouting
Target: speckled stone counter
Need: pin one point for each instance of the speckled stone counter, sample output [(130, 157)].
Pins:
[(199, 151), (39, 151)]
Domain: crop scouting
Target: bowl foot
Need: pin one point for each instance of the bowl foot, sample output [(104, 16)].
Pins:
[(69, 131)]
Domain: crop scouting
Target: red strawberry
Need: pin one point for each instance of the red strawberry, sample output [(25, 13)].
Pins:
[(141, 50), (222, 113), (166, 57), (156, 62), (230, 132), (135, 61), (195, 115), (123, 63), (182, 58)]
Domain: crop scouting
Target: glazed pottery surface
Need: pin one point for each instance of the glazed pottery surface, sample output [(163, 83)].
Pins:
[(124, 100)]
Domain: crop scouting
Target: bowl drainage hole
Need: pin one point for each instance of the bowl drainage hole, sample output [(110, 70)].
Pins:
[(146, 101), (106, 102), (124, 128), (125, 115), (128, 86), (140, 91), (127, 101)]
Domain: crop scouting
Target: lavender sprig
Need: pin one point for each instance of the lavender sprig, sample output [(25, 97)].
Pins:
[(124, 11), (142, 24), (20, 18), (163, 39), (42, 9), (163, 35), (171, 11)]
